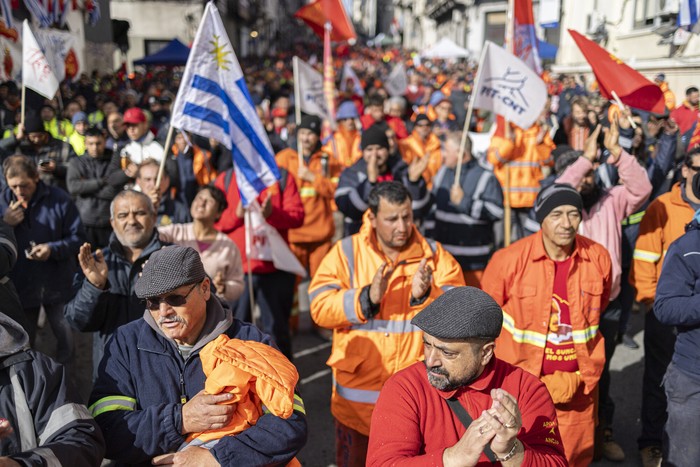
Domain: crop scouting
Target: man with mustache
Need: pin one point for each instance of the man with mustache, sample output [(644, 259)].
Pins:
[(552, 287), (367, 289), (150, 399), (510, 413), (105, 297)]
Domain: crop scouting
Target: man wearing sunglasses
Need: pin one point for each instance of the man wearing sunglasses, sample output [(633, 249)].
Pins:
[(149, 395)]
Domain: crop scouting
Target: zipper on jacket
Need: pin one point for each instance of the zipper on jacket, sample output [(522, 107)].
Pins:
[(183, 395)]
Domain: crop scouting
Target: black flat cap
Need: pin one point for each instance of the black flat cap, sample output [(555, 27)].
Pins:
[(461, 313), (169, 268)]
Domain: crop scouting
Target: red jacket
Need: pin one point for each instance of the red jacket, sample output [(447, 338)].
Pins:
[(413, 425), (287, 213)]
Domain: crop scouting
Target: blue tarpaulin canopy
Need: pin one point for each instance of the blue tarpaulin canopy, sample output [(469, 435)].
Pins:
[(546, 50), (173, 54)]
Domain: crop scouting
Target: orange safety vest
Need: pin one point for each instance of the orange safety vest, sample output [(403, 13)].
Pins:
[(413, 147), (344, 146), (367, 352), (204, 171)]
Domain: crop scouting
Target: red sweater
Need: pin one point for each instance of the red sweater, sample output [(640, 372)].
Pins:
[(287, 213), (412, 424)]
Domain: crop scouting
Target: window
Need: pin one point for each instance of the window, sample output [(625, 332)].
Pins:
[(654, 13), (495, 30)]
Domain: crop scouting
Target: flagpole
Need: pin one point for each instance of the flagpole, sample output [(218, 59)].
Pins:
[(621, 106), (297, 106), (246, 221), (168, 139), (510, 32), (470, 109), (24, 99)]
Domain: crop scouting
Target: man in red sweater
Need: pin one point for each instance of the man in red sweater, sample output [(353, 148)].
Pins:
[(274, 289), (511, 417)]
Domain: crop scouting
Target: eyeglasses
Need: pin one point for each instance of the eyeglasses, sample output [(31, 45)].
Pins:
[(694, 168), (173, 300)]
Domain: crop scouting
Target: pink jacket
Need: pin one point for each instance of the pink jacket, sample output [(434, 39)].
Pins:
[(222, 255), (603, 223)]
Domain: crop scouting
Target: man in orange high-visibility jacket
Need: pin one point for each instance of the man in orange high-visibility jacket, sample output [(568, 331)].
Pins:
[(420, 143), (344, 143), (316, 179), (367, 290), (553, 286)]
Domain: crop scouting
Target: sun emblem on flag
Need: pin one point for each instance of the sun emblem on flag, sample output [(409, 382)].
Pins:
[(219, 54)]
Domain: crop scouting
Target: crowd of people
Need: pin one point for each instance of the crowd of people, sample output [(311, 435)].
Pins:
[(473, 344)]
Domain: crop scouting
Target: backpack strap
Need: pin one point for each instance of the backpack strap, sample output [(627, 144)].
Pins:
[(467, 420)]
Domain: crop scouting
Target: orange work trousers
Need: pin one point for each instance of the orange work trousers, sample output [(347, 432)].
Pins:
[(577, 420)]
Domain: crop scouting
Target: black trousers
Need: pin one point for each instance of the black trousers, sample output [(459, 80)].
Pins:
[(274, 295), (609, 327)]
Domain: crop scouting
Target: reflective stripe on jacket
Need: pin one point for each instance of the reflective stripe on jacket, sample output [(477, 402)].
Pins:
[(366, 352), (521, 279)]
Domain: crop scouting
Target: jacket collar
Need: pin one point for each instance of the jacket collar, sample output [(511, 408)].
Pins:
[(539, 253), (481, 383), (416, 247), (153, 245)]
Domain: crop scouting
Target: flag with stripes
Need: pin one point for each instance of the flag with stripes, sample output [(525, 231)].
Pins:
[(213, 101), (688, 12)]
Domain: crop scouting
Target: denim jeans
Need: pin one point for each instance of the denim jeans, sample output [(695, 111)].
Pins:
[(681, 447), (60, 327)]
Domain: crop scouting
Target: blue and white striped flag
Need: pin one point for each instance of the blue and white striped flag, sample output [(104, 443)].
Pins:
[(213, 101), (688, 12), (38, 11), (6, 7)]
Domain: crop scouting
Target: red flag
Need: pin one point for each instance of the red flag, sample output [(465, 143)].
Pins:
[(316, 14), (613, 74)]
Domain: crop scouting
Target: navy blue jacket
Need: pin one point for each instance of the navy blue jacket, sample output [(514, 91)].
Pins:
[(137, 399), (51, 217), (103, 311), (352, 193), (678, 297), (466, 230)]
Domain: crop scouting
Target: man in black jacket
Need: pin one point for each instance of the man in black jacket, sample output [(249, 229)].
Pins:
[(94, 180), (105, 297)]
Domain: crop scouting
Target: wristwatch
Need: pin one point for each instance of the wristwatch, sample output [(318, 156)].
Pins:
[(510, 454)]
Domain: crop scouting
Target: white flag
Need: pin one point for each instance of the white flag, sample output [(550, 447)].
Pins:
[(214, 102), (310, 84), (507, 86), (397, 81), (36, 72), (350, 75)]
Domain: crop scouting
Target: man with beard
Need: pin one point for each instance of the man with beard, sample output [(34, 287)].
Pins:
[(509, 413), (367, 289), (552, 287), (603, 212), (105, 298), (575, 128)]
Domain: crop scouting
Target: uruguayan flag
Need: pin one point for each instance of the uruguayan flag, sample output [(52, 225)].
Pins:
[(688, 12), (213, 101)]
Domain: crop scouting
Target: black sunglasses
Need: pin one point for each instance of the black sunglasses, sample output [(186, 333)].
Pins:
[(694, 168), (173, 300)]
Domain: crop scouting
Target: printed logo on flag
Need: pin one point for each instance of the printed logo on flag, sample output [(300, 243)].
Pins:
[(508, 88)]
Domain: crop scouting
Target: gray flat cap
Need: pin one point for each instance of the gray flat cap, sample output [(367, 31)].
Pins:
[(169, 268), (461, 313)]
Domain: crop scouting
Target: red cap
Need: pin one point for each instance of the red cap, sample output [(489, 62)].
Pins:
[(279, 112), (134, 116)]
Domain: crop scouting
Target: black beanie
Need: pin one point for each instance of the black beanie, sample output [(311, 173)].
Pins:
[(558, 194), (311, 122), (374, 135)]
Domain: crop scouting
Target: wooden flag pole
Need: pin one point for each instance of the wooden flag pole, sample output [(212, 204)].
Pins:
[(24, 100), (621, 105), (507, 212), (161, 169), (251, 294)]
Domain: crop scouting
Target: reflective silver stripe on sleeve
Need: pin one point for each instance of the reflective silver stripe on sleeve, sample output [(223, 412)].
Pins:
[(25, 421), (420, 203), (382, 325), (320, 290), (459, 250), (48, 456), (357, 395), (61, 417), (349, 305), (358, 202), (456, 218), (349, 252), (10, 246), (495, 210), (445, 288), (478, 204), (342, 191)]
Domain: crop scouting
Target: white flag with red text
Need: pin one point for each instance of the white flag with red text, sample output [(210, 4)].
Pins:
[(36, 71)]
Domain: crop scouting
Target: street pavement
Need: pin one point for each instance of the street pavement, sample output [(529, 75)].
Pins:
[(311, 352)]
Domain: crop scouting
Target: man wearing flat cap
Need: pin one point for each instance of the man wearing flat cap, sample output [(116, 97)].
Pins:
[(552, 287), (316, 174), (367, 290), (149, 394), (377, 166), (462, 406), (51, 155)]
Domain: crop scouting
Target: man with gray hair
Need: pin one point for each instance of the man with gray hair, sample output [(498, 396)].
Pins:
[(462, 406), (105, 297)]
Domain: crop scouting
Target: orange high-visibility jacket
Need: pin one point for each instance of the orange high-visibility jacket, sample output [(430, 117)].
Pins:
[(664, 221), (317, 197), (202, 167), (414, 147), (367, 352), (256, 374), (521, 279), (526, 159), (344, 146)]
